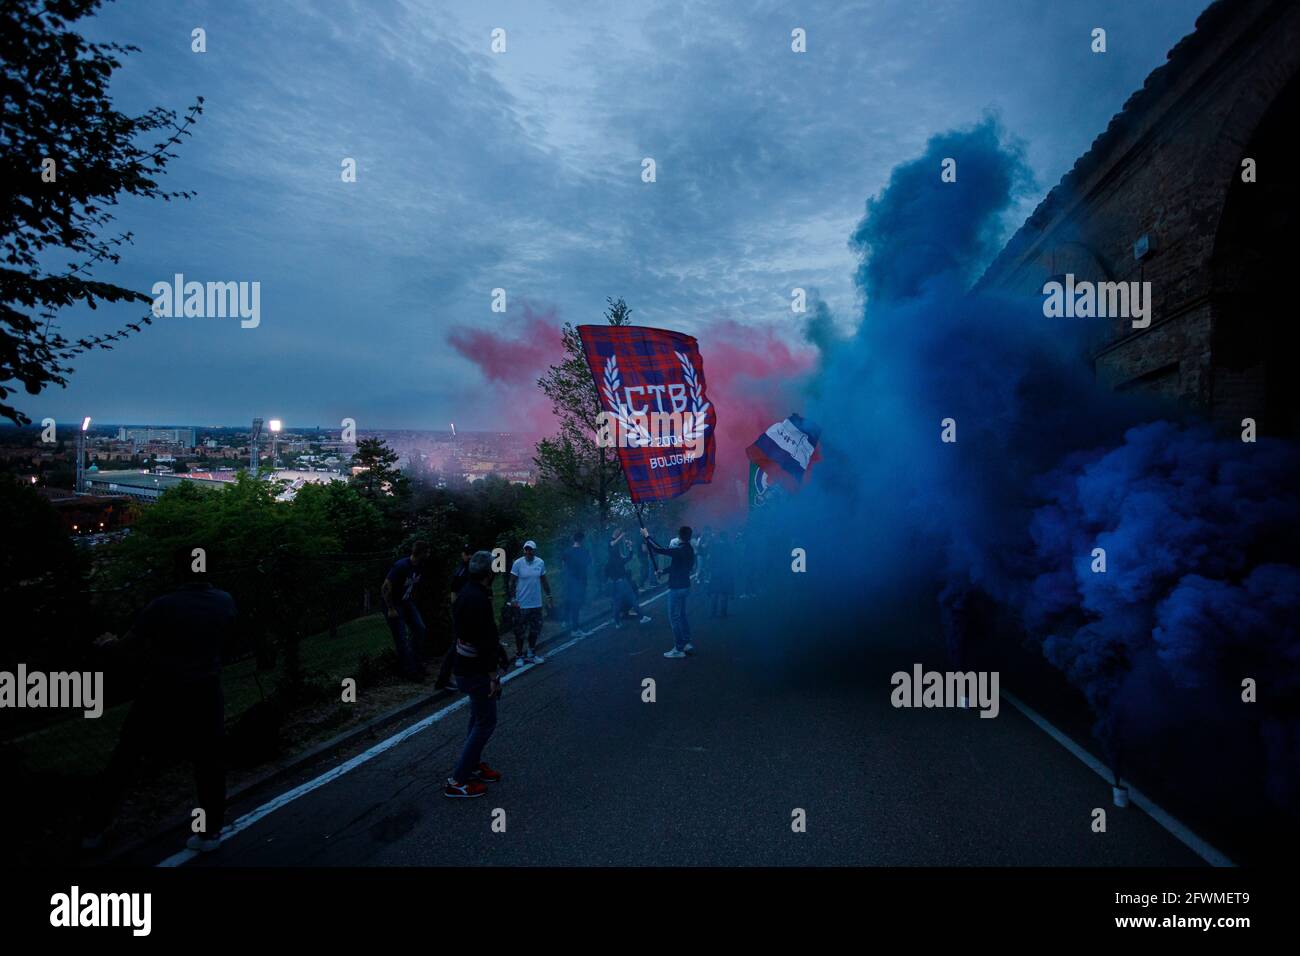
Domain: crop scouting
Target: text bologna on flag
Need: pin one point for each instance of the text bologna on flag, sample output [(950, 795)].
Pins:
[(656, 410), (787, 450)]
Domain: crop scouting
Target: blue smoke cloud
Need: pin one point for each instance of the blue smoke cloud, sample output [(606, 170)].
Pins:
[(1199, 530)]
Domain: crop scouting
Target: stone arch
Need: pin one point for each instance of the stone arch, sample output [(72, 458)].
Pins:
[(1255, 347)]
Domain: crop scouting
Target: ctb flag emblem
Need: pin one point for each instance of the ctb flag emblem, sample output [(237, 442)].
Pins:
[(655, 406)]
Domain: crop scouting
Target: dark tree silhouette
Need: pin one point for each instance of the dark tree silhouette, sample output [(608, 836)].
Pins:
[(67, 157), (379, 477), (573, 458)]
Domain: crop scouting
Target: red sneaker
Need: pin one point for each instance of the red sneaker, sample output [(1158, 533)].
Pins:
[(470, 788), (487, 774)]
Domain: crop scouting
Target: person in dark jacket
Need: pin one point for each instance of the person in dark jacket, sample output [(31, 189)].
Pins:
[(576, 563), (622, 593), (403, 614), (461, 574), (479, 662), (177, 641), (722, 575), (679, 588), (458, 579)]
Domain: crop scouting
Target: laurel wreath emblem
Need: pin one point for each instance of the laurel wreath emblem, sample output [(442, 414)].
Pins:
[(699, 423), (638, 435)]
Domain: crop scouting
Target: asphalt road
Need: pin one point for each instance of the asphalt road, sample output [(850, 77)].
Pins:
[(758, 722)]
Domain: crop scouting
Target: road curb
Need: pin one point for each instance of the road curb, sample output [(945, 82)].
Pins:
[(179, 823)]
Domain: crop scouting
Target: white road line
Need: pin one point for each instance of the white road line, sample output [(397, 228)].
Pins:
[(253, 816), (1179, 830)]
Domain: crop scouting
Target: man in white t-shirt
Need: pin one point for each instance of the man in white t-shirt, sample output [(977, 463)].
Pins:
[(524, 590)]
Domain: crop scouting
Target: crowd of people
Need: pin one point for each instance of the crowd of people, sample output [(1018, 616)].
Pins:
[(478, 661), (185, 630)]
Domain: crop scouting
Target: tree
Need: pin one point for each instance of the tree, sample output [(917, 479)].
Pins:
[(573, 458), (379, 477), (69, 156), (41, 582)]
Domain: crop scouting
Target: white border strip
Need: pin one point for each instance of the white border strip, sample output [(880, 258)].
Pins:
[(266, 809), (1184, 835)]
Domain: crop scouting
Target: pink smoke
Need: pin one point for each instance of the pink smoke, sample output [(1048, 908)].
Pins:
[(753, 378), (512, 355)]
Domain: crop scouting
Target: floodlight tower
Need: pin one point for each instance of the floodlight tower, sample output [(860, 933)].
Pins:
[(252, 446), (81, 456), (275, 426)]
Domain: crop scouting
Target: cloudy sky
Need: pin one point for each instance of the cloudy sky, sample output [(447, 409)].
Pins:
[(522, 170)]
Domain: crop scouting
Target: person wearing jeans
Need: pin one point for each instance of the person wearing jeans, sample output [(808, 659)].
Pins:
[(458, 579), (524, 589), (682, 556), (480, 660), (722, 576), (403, 616), (483, 691), (677, 619), (622, 594), (577, 562)]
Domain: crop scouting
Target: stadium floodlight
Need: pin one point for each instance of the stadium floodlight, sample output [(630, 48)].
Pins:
[(275, 425), (85, 423)]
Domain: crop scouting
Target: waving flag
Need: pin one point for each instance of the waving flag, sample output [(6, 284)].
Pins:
[(785, 452), (651, 388), (761, 490)]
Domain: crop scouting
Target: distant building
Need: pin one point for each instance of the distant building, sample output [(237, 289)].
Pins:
[(141, 486), (170, 436), (89, 514)]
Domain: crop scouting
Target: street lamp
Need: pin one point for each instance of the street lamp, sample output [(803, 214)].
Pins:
[(81, 456)]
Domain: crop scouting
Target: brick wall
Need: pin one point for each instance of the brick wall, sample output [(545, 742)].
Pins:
[(1163, 168)]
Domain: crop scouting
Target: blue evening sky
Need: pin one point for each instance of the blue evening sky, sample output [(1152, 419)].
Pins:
[(522, 170)]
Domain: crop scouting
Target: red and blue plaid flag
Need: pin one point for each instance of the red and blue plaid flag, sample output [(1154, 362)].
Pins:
[(651, 388)]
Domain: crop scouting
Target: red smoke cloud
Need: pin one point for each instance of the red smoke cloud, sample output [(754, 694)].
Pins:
[(754, 378), (752, 373), (513, 354)]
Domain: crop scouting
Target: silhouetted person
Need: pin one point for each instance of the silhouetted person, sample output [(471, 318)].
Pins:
[(403, 616), (576, 563), (458, 579), (479, 661), (682, 556), (722, 575), (646, 566), (461, 574), (703, 545), (622, 595), (179, 710)]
